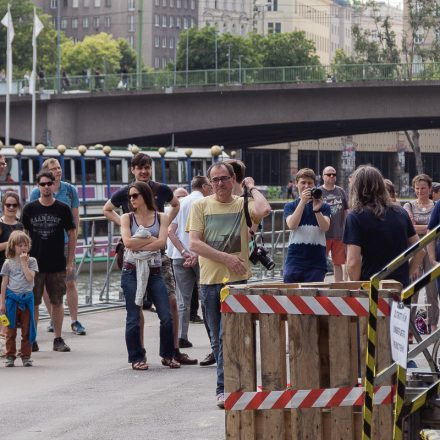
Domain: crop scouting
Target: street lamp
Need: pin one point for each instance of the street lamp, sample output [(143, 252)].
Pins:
[(107, 150), (162, 152), (189, 153), (229, 63)]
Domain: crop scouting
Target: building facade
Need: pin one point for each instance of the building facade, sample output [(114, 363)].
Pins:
[(162, 21)]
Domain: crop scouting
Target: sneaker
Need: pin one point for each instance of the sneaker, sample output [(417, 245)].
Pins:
[(184, 359), (50, 327), (221, 400), (9, 362), (78, 328), (184, 343), (27, 362), (196, 320), (35, 346), (60, 345), (209, 360)]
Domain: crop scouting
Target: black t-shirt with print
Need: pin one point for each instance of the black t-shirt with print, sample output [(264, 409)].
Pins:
[(162, 194), (46, 226)]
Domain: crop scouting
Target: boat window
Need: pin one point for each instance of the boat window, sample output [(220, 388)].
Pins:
[(115, 171), (90, 171)]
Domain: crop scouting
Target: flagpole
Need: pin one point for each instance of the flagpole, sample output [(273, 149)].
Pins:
[(33, 81), (8, 78)]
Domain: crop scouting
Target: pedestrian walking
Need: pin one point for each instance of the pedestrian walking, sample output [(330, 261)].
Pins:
[(218, 234), (46, 219), (17, 298)]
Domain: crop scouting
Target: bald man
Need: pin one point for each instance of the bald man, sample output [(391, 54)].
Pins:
[(335, 196)]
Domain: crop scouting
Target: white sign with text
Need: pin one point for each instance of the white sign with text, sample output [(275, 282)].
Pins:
[(399, 325)]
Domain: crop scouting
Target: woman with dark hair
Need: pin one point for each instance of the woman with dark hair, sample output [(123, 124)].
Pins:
[(419, 211), (376, 230), (8, 223), (144, 230)]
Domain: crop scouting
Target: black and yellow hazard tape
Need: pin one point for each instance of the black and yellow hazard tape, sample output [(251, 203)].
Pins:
[(423, 281), (400, 399), (419, 401)]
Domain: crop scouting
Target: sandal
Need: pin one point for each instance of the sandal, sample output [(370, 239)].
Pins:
[(172, 363), (139, 366)]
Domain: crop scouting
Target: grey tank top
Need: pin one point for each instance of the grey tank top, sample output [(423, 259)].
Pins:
[(154, 228)]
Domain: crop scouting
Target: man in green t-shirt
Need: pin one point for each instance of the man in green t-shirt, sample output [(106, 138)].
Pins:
[(218, 234)]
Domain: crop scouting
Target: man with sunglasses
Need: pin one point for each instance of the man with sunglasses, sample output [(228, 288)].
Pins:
[(218, 234), (46, 219), (335, 196)]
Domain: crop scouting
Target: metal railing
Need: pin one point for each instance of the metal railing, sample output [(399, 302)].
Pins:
[(98, 276), (241, 76)]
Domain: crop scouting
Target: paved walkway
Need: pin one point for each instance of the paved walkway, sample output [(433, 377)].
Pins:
[(92, 392)]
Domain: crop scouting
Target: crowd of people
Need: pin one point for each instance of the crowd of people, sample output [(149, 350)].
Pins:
[(179, 247)]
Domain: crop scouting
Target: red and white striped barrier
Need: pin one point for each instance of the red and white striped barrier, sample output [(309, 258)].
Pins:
[(317, 398), (302, 305)]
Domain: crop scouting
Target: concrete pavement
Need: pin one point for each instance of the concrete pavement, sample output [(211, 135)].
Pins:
[(92, 392)]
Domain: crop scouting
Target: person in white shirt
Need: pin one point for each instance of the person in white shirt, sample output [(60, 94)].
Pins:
[(185, 263)]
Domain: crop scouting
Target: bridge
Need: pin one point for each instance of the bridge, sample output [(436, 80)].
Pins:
[(241, 111)]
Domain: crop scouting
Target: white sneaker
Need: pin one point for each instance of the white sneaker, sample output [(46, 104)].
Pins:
[(221, 400)]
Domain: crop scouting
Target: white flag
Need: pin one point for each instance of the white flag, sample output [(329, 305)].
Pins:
[(38, 27), (7, 22)]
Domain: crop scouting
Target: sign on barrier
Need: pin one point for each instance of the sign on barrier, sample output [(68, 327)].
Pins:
[(399, 325)]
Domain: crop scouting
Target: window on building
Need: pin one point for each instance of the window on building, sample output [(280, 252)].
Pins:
[(164, 62), (131, 5), (277, 28), (193, 4), (75, 3), (85, 22), (171, 21), (86, 3), (64, 23), (185, 23), (156, 20), (178, 22), (131, 23), (131, 40), (185, 4), (97, 3), (164, 3), (53, 4), (96, 22), (107, 21), (171, 42), (156, 41), (157, 2), (65, 3), (193, 22), (108, 3), (419, 37), (270, 28), (164, 42), (178, 4), (74, 23), (156, 62), (164, 21), (171, 3)]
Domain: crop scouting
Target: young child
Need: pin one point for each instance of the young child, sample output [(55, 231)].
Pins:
[(17, 298), (308, 219)]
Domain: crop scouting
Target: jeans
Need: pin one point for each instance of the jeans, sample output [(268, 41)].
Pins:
[(186, 279), (299, 275), (210, 297), (159, 296)]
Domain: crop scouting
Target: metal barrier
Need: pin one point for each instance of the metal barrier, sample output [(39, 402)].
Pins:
[(402, 409)]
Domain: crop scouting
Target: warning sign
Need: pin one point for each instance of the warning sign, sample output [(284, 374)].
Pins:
[(399, 324)]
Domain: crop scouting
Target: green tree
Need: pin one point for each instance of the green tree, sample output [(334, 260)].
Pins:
[(128, 55), (99, 51), (23, 18)]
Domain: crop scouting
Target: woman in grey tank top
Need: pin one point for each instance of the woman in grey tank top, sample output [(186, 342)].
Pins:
[(419, 211), (141, 203)]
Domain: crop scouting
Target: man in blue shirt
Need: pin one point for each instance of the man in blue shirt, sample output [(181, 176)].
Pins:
[(66, 193), (308, 219)]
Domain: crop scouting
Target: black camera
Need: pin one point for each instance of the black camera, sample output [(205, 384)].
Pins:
[(260, 254), (316, 193)]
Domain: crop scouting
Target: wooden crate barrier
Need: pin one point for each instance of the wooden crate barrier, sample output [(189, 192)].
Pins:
[(324, 352)]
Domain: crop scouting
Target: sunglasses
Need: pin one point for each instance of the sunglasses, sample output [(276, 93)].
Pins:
[(11, 205), (331, 174), (45, 184), (133, 196)]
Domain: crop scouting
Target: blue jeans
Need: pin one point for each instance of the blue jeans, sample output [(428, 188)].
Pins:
[(159, 296), (210, 297), (299, 275)]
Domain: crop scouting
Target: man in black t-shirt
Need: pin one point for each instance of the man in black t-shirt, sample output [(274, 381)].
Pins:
[(45, 220), (141, 169)]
